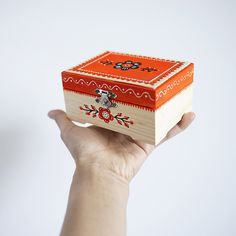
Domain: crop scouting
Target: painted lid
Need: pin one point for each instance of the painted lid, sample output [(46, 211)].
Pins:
[(139, 80)]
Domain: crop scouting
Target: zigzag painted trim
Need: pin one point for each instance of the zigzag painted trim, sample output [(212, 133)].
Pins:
[(82, 81), (172, 73), (173, 84), (137, 95), (118, 102)]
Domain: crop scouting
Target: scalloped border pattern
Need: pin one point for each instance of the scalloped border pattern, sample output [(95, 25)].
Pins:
[(160, 94)]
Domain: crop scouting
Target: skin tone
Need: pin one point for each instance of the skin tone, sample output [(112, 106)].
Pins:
[(106, 162)]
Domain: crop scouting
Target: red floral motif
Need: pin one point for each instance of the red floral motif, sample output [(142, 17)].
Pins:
[(123, 120), (105, 114)]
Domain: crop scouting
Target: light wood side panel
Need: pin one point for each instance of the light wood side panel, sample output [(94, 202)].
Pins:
[(169, 114), (143, 127)]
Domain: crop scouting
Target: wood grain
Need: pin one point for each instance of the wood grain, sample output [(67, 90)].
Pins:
[(149, 126)]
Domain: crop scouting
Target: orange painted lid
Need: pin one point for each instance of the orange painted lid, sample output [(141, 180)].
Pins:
[(143, 81)]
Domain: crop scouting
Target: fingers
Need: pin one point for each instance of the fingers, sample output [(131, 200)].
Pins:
[(182, 125), (186, 120), (61, 119)]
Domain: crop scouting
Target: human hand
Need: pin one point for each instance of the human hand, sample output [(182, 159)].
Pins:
[(109, 151)]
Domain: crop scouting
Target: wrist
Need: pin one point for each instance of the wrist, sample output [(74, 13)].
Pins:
[(98, 200), (98, 180), (101, 168)]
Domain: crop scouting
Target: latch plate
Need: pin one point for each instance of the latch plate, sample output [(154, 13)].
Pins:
[(104, 100)]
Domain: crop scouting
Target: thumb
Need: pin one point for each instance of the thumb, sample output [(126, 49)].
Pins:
[(63, 122)]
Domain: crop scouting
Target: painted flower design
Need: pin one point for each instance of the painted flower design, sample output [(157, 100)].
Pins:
[(127, 65), (105, 114)]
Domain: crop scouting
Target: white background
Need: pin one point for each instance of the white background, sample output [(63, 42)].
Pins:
[(187, 186)]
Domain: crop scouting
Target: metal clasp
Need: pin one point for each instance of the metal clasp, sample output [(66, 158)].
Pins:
[(105, 98)]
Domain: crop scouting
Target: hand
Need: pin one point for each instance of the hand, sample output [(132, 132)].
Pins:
[(116, 153)]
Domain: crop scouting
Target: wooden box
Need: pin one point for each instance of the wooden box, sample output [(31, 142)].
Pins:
[(140, 96)]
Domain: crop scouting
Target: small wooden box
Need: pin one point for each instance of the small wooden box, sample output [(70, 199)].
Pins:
[(140, 96)]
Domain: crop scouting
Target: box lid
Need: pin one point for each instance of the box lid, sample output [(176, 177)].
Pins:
[(138, 80)]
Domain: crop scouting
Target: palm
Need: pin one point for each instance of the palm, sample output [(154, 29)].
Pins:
[(117, 152), (114, 151)]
